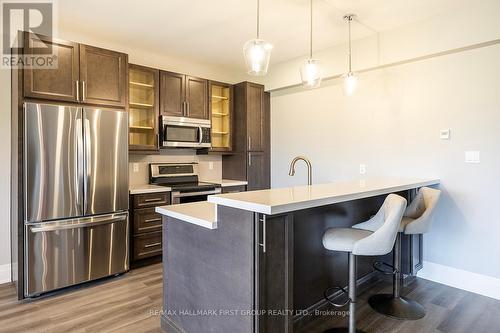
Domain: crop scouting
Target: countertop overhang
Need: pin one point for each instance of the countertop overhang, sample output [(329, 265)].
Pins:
[(282, 200)]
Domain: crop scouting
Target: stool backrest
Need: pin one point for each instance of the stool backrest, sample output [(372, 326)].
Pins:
[(422, 209), (385, 226)]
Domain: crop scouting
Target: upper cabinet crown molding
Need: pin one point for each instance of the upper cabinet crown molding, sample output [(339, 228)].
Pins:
[(84, 74), (183, 96)]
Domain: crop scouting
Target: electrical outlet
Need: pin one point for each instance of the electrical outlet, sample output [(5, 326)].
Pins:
[(210, 165), (472, 156), (444, 134), (362, 169), (135, 167)]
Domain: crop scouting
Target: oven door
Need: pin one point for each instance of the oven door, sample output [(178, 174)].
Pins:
[(185, 197), (186, 133)]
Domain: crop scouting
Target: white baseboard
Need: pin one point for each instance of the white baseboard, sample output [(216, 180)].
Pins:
[(4, 273), (465, 280)]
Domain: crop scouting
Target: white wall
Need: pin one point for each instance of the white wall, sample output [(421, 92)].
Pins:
[(392, 125)]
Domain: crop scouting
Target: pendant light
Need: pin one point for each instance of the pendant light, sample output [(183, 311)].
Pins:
[(310, 71), (350, 79), (257, 52)]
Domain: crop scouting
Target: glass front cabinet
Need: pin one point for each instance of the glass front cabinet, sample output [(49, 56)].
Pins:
[(143, 108), (221, 109)]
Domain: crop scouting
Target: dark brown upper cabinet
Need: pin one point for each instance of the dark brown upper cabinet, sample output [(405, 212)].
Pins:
[(59, 83), (103, 76), (197, 97), (183, 96), (250, 159), (255, 117), (83, 74), (172, 102)]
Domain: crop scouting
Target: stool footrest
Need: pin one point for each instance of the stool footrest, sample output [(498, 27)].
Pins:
[(377, 265), (327, 295)]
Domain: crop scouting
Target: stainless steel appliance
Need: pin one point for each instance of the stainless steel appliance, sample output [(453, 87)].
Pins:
[(182, 132), (183, 179), (76, 195)]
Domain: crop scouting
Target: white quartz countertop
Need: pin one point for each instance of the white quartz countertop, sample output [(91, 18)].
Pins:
[(281, 200), (201, 213), (228, 182), (147, 188)]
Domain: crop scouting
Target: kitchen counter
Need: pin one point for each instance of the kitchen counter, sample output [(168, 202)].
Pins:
[(267, 245), (147, 188), (228, 182), (281, 200), (201, 213)]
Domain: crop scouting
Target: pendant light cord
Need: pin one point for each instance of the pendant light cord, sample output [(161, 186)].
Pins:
[(311, 32), (258, 19), (349, 19)]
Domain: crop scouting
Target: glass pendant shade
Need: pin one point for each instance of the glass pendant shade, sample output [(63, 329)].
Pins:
[(257, 53), (310, 73), (350, 83)]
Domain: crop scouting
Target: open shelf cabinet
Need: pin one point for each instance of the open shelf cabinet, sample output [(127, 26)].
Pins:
[(143, 108), (221, 112)]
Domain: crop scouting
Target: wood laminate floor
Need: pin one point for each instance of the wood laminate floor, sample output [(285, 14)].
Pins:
[(128, 304)]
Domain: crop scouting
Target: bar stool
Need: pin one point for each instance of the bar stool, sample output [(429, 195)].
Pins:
[(416, 220), (378, 239)]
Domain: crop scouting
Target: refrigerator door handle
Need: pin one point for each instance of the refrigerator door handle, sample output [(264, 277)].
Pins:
[(79, 161), (76, 223), (87, 158)]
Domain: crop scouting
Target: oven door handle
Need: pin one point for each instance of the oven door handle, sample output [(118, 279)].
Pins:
[(200, 135), (192, 194)]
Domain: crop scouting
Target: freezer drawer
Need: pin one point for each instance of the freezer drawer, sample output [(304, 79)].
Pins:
[(64, 253)]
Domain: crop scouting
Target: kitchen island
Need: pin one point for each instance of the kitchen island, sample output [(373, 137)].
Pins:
[(254, 261)]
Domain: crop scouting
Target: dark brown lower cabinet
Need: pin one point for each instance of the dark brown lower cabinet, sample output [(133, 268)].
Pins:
[(257, 171), (274, 272), (146, 235)]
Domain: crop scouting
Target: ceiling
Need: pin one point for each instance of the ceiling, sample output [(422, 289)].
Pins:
[(213, 32)]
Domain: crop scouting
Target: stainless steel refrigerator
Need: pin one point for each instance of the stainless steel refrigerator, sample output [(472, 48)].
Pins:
[(76, 195)]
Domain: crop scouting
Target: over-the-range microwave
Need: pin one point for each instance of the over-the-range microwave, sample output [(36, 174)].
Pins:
[(182, 132)]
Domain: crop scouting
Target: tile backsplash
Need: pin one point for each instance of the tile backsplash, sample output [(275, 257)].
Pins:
[(175, 156)]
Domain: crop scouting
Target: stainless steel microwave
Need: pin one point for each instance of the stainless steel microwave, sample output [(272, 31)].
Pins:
[(182, 132)]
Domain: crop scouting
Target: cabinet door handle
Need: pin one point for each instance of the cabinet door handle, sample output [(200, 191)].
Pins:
[(152, 245), (187, 105), (83, 91), (77, 87), (249, 143), (153, 200), (249, 159), (263, 244), (152, 220)]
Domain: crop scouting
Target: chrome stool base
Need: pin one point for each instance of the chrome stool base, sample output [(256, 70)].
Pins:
[(396, 307)]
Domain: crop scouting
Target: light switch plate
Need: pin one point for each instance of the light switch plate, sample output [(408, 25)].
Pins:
[(135, 167), (472, 156), (362, 169), (444, 134), (210, 165)]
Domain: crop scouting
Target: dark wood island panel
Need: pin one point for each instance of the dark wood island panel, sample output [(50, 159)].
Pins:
[(257, 272)]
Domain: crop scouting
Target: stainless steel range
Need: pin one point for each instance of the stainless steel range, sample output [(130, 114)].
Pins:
[(183, 179)]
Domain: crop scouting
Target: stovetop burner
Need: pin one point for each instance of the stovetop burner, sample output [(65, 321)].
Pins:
[(182, 177)]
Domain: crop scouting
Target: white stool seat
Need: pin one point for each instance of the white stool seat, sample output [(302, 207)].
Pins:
[(404, 222), (343, 239)]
